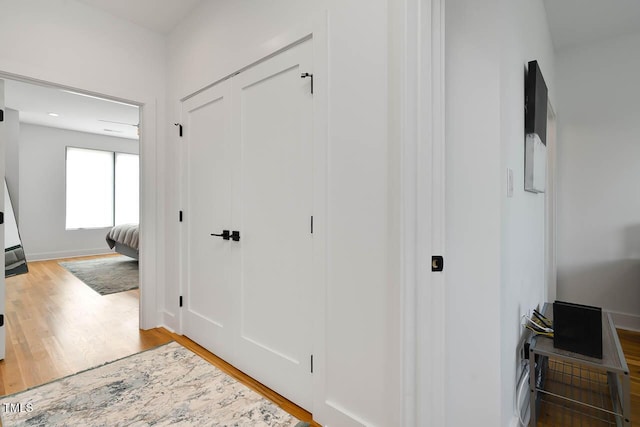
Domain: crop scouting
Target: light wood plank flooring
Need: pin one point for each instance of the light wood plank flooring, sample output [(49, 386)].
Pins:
[(57, 326)]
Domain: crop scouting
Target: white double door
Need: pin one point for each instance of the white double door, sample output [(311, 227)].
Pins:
[(249, 169)]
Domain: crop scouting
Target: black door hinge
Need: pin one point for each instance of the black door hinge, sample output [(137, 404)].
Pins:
[(179, 128), (1, 115), (437, 263), (180, 216), (180, 300), (1, 319), (1, 217), (312, 363), (305, 75), (311, 224)]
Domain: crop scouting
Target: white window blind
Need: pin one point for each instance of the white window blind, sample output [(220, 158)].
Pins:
[(89, 185), (127, 189), (103, 188)]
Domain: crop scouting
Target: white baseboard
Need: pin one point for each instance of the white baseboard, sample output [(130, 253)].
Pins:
[(169, 318), (168, 328), (43, 256), (627, 321)]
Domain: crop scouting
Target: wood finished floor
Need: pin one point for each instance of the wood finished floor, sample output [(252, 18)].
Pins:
[(57, 326)]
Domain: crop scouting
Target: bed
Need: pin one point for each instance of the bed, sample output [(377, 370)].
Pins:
[(124, 239)]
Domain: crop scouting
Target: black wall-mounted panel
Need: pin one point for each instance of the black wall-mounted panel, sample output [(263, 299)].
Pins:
[(577, 328), (535, 117)]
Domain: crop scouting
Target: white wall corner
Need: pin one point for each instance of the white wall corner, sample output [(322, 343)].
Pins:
[(43, 256), (630, 322)]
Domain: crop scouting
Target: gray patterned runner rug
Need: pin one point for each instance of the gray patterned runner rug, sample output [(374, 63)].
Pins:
[(165, 386)]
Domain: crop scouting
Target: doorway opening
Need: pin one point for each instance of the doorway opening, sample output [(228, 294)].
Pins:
[(73, 176)]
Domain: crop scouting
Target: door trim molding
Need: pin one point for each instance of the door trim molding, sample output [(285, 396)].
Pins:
[(3, 134), (150, 280), (551, 263), (247, 59), (423, 213), (317, 33)]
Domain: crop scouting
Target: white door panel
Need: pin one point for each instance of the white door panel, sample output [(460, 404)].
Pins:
[(208, 290), (272, 209)]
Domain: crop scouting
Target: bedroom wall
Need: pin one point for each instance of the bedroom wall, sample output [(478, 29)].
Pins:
[(363, 336), (42, 191), (11, 147), (598, 176), (72, 44)]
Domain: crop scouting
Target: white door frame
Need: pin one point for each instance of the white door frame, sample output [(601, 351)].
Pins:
[(148, 199), (248, 59), (423, 212), (3, 134), (551, 267)]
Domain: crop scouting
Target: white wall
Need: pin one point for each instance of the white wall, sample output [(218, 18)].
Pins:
[(42, 191), (84, 48), (598, 176), (495, 244), (69, 43), (473, 184), (361, 366), (12, 128), (526, 37)]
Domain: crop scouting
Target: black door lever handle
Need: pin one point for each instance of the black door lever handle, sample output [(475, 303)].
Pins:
[(224, 235)]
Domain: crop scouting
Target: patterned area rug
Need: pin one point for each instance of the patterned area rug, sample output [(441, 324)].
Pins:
[(106, 275), (166, 386)]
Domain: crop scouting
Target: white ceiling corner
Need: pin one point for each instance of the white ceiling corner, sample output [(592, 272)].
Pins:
[(160, 16)]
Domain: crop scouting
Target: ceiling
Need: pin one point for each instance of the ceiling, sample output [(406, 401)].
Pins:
[(571, 23), (89, 114), (575, 22), (160, 16), (75, 111)]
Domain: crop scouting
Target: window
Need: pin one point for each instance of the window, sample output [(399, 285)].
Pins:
[(102, 188), (89, 188)]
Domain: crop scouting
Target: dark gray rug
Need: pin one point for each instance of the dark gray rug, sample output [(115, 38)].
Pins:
[(106, 275)]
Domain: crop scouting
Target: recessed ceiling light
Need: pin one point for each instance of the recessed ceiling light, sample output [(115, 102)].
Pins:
[(53, 114)]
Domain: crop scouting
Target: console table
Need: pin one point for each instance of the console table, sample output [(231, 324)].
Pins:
[(580, 386)]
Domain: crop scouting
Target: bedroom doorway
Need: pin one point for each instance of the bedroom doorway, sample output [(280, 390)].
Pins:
[(73, 172)]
